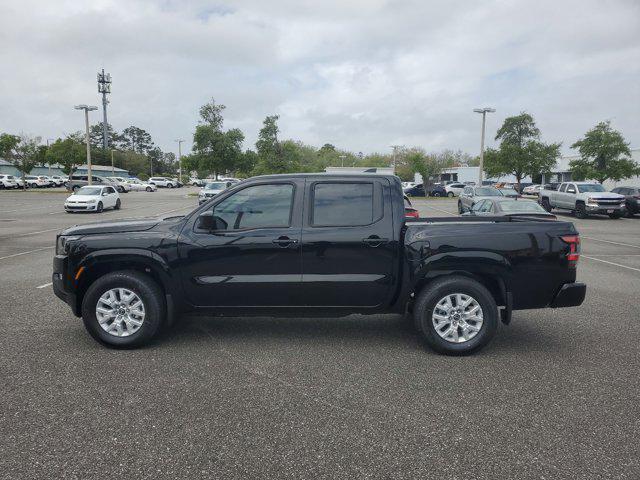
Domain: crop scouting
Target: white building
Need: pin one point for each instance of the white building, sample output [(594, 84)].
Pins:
[(469, 174), (561, 172)]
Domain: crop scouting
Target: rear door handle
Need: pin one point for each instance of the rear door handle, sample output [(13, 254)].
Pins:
[(284, 241), (374, 241)]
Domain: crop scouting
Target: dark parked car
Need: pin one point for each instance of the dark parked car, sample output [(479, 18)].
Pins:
[(312, 244), (437, 191), (632, 199), (415, 191), (409, 211), (509, 207)]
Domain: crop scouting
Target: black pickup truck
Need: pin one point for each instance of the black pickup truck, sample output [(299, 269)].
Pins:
[(310, 245)]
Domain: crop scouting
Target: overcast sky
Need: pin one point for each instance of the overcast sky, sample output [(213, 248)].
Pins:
[(360, 74)]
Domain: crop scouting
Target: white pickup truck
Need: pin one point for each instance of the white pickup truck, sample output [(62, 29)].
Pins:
[(583, 198)]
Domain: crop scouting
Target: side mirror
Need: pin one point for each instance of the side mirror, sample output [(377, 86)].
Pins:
[(104, 194), (208, 222)]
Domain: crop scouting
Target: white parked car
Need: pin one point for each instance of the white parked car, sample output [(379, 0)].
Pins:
[(58, 180), (123, 186), (196, 182), (36, 181), (532, 190), (454, 189), (93, 198), (140, 186), (212, 189), (8, 181), (163, 182), (406, 185)]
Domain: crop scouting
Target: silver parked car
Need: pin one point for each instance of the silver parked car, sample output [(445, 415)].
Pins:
[(212, 189), (471, 195)]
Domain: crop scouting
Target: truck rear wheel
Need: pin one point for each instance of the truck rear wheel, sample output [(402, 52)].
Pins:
[(546, 205), (456, 315), (123, 309)]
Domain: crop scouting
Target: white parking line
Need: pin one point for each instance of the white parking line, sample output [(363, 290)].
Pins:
[(440, 210), (611, 263), (45, 285), (27, 253), (30, 233), (609, 241)]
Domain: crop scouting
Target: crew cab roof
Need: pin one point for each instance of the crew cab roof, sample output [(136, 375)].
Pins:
[(323, 175)]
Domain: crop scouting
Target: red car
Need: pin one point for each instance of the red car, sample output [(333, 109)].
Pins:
[(409, 211)]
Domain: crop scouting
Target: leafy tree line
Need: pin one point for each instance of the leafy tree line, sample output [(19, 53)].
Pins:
[(217, 151), (604, 154), (132, 150)]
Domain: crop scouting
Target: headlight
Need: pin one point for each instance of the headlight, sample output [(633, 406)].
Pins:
[(591, 201), (92, 201), (62, 244)]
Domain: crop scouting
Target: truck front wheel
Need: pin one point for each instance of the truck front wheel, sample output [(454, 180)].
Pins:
[(123, 309), (546, 205), (456, 315), (581, 210)]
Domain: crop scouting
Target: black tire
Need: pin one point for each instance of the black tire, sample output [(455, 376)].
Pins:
[(580, 211), (450, 194), (143, 286), (460, 208), (100, 208), (628, 213), (438, 289), (118, 204), (170, 185), (546, 205), (148, 189), (75, 188), (119, 189)]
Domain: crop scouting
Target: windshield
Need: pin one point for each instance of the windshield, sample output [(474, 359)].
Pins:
[(488, 192), (216, 186), (89, 191), (591, 187), (521, 206)]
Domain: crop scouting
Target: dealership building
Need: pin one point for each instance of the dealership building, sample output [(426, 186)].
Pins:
[(6, 168)]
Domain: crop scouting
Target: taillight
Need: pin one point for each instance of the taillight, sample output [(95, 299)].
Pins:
[(411, 214), (574, 249)]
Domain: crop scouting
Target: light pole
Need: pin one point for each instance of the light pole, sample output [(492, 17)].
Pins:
[(484, 112), (87, 109), (47, 149), (179, 142), (342, 157)]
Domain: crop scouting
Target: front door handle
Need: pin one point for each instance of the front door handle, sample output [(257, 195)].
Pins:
[(284, 241), (374, 241)]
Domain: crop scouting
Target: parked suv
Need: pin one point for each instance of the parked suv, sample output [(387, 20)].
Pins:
[(35, 181), (8, 181), (583, 198), (77, 181), (632, 198), (163, 182), (454, 189)]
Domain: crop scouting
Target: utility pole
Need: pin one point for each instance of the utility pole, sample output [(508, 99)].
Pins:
[(48, 149), (113, 170), (179, 141), (104, 87), (87, 109), (484, 112), (395, 152)]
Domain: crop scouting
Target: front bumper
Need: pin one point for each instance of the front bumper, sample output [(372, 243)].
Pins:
[(81, 207), (605, 209), (60, 279), (569, 295)]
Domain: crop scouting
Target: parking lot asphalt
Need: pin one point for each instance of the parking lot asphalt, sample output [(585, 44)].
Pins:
[(555, 395)]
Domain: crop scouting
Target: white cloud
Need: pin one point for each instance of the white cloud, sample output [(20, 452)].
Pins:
[(360, 74)]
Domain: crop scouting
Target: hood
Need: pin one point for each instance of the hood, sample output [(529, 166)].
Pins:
[(608, 195), (118, 226), (83, 198)]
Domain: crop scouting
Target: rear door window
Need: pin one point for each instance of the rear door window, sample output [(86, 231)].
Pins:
[(563, 187), (342, 204)]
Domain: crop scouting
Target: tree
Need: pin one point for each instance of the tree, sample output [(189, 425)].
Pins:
[(603, 155), (215, 150), (136, 139), (270, 158), (95, 136), (69, 153), (426, 165), (22, 152), (521, 152)]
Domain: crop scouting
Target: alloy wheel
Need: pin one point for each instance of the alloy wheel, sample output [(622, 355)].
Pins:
[(457, 317), (120, 312)]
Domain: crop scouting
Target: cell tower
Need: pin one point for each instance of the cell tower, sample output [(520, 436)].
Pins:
[(104, 87)]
